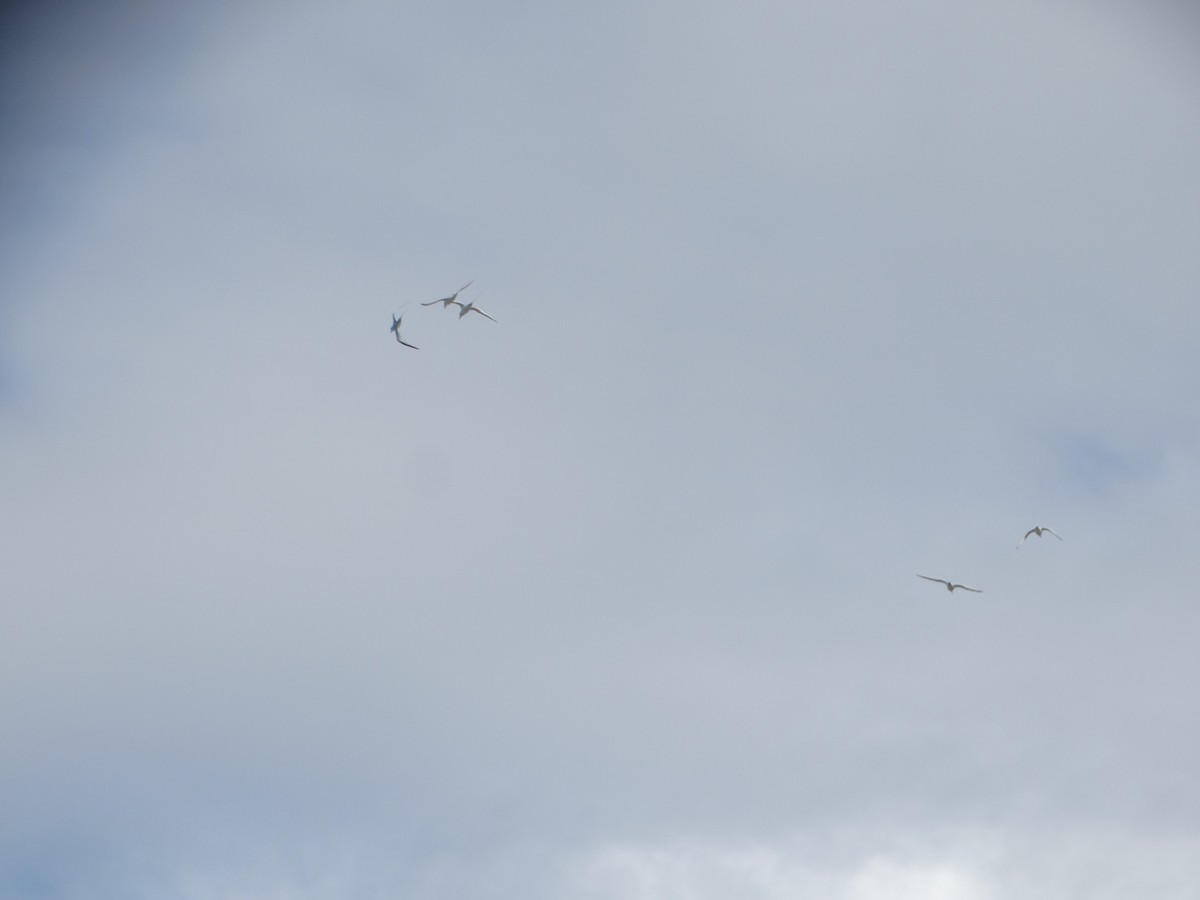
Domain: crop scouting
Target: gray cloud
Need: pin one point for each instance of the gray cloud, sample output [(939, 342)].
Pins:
[(614, 595)]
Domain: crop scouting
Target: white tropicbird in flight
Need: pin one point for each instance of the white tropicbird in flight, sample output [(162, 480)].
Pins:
[(470, 306), (1038, 530), (453, 298), (396, 331), (950, 585)]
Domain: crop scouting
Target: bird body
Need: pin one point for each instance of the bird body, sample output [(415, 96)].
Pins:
[(950, 585), (1038, 530), (396, 331)]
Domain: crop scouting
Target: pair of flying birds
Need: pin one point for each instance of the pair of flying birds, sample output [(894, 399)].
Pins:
[(463, 309), (1037, 530)]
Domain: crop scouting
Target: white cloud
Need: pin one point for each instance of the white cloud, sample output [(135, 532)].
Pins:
[(977, 865), (789, 870)]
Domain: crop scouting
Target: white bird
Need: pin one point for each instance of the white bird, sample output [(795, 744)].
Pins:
[(1038, 530), (950, 585), (470, 306), (396, 331), (453, 298)]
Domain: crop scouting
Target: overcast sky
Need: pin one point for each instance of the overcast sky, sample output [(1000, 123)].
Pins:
[(613, 598)]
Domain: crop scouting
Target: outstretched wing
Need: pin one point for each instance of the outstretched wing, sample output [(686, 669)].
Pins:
[(938, 580), (406, 344), (971, 589), (482, 313), (1052, 531)]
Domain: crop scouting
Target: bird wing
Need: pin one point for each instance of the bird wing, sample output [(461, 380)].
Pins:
[(406, 344), (482, 313), (971, 589), (433, 302), (938, 580), (1052, 531)]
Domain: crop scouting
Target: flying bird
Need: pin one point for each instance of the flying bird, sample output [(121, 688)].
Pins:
[(1038, 530), (470, 306), (453, 298), (950, 585), (396, 331)]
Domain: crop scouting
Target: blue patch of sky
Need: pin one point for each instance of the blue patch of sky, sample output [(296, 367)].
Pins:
[(50, 867), (1095, 465)]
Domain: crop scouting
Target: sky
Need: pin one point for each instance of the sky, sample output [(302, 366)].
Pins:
[(615, 596)]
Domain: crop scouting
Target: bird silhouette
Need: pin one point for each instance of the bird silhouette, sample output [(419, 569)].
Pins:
[(470, 306), (950, 585), (1038, 530), (396, 331), (453, 298)]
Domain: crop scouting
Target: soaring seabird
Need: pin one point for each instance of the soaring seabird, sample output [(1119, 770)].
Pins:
[(453, 298), (396, 331), (470, 306), (950, 585), (1038, 529)]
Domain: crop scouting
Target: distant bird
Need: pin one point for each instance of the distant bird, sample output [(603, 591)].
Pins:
[(950, 585), (453, 298), (1038, 530), (396, 331), (470, 306)]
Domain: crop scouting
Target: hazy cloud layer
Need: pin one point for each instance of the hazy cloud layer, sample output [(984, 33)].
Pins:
[(615, 596)]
